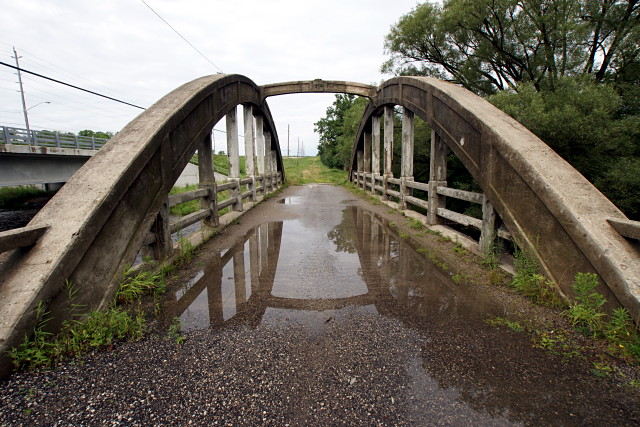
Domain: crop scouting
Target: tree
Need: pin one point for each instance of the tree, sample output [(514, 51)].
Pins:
[(492, 45), (589, 126), (334, 147), (97, 134)]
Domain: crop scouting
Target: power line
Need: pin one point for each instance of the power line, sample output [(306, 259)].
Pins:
[(183, 38), (70, 85)]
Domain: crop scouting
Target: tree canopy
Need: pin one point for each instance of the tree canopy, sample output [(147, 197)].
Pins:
[(338, 129), (492, 45)]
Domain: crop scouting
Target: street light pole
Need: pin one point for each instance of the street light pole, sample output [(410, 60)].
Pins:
[(24, 104)]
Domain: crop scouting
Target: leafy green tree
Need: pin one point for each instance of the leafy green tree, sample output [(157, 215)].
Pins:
[(97, 134), (333, 148), (588, 125), (493, 45)]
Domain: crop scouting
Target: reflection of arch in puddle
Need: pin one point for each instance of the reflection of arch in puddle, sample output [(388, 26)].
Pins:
[(404, 280), (236, 286), (229, 280)]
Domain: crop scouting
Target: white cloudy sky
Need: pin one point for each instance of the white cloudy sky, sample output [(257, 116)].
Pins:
[(120, 48)]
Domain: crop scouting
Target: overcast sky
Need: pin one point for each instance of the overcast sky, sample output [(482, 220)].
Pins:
[(122, 49)]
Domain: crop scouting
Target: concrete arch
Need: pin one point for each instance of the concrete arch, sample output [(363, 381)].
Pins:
[(108, 206), (317, 86), (547, 205)]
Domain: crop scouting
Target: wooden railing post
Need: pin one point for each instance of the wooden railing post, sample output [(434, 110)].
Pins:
[(437, 177), (233, 154), (408, 132)]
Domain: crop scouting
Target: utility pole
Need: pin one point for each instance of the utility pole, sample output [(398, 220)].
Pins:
[(287, 140), (24, 104), (298, 156)]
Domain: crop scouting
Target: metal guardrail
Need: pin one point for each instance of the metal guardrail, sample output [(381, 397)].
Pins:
[(9, 135)]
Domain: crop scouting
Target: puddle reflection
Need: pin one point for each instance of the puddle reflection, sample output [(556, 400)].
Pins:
[(287, 266)]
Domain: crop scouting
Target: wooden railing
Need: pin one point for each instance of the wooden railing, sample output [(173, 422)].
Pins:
[(158, 242), (401, 190), (17, 136)]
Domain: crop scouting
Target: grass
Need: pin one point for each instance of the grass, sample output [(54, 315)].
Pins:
[(137, 284), (77, 337), (19, 197), (514, 325), (175, 331), (586, 315), (309, 170), (98, 329), (529, 282), (194, 205), (221, 164)]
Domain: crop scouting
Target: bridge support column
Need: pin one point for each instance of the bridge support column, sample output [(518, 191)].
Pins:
[(208, 181), (233, 154), (375, 151), (408, 132), (388, 148), (260, 150), (268, 172), (359, 179), (162, 247), (367, 160), (249, 148), (437, 177)]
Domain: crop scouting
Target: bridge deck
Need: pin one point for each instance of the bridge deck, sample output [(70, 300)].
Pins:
[(323, 313)]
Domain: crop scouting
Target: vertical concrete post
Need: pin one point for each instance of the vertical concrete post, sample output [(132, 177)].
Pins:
[(437, 177), (408, 132), (375, 151), (268, 182), (233, 154), (207, 180), (488, 232), (388, 148), (249, 147), (260, 142), (360, 155), (274, 168), (367, 158)]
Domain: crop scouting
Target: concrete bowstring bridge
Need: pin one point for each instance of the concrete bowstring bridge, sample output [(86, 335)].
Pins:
[(117, 203)]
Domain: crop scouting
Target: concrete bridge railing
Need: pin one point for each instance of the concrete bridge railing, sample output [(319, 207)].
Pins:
[(92, 229), (546, 205)]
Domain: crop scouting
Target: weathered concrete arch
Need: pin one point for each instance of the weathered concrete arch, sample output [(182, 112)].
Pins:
[(547, 205), (108, 206), (317, 86)]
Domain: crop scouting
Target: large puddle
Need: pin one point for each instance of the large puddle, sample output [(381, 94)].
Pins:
[(303, 267)]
